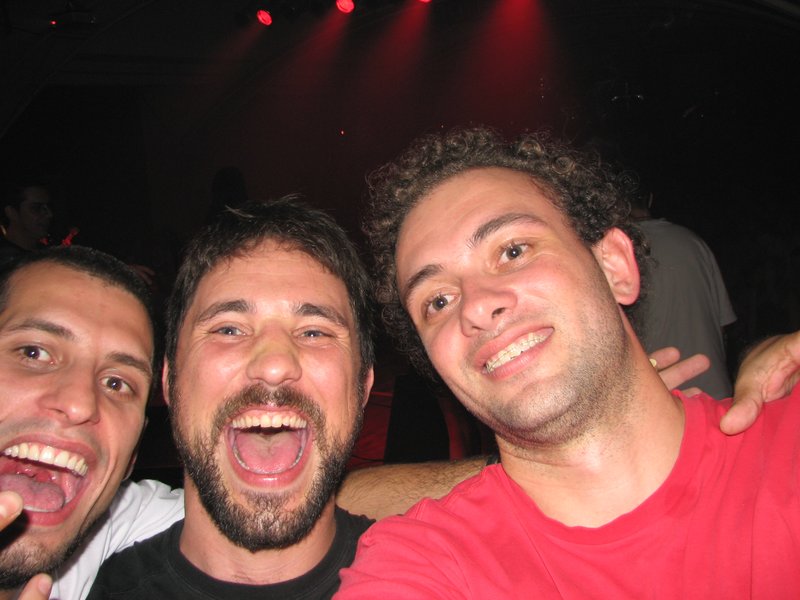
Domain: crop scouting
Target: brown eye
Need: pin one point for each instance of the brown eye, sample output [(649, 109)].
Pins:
[(117, 384), (439, 303), (35, 353)]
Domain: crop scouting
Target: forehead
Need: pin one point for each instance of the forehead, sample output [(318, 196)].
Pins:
[(271, 272), (467, 201), (35, 195), (79, 301)]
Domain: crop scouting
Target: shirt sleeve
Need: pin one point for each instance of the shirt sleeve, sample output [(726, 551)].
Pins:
[(400, 558), (139, 511)]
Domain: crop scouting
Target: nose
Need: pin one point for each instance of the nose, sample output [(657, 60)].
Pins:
[(274, 361), (75, 398), (483, 302)]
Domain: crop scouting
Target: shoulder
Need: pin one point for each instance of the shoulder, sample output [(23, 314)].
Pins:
[(350, 525), (125, 571)]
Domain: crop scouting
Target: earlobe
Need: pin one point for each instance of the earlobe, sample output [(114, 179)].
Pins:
[(165, 380), (368, 381), (616, 257)]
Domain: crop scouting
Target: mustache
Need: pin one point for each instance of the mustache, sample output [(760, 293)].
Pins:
[(258, 395)]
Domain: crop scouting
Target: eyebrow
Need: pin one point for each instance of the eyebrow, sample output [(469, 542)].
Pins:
[(237, 306), (481, 233), (243, 306), (46, 326), (131, 361), (65, 334), (326, 312), (488, 228)]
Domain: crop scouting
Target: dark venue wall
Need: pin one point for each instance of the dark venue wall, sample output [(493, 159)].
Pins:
[(128, 108)]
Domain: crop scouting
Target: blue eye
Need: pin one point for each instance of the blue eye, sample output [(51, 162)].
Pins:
[(227, 330)]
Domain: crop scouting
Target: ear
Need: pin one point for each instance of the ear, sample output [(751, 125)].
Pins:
[(614, 253), (135, 452), (11, 213), (368, 381), (165, 381)]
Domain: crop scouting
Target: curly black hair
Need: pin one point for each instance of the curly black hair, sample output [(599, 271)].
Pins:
[(592, 195)]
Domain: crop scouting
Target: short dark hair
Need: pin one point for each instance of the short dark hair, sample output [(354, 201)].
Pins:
[(291, 223), (593, 197), (91, 262)]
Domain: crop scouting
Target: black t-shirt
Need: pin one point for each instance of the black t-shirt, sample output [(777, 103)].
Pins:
[(155, 568)]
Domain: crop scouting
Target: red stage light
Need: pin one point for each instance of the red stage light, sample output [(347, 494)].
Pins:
[(346, 6), (424, 1), (264, 17)]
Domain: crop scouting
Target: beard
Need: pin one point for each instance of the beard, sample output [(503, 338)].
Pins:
[(593, 392), (20, 559), (263, 521)]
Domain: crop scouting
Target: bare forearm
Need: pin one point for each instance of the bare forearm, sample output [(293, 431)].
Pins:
[(378, 492)]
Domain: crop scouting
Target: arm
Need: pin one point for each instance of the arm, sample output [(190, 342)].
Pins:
[(378, 492), (769, 371), (38, 587)]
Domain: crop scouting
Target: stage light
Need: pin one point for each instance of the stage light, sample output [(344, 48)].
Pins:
[(345, 6), (264, 17)]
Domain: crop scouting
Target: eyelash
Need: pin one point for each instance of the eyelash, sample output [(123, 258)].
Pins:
[(429, 305), (227, 330), (522, 247), (24, 351), (130, 389)]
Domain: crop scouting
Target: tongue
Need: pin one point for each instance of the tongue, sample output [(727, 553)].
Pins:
[(38, 496), (268, 453)]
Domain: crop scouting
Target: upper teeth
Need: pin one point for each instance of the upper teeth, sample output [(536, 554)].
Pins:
[(267, 420), (514, 350), (49, 456)]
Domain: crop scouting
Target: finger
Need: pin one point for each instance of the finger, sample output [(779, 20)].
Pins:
[(681, 372), (741, 415), (691, 391), (665, 357), (10, 507), (38, 588)]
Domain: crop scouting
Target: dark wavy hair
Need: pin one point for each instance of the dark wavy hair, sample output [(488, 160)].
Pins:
[(289, 222), (592, 195)]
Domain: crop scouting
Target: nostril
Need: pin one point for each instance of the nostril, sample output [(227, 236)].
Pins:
[(497, 312)]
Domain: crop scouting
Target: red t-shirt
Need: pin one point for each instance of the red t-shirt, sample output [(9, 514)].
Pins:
[(725, 524)]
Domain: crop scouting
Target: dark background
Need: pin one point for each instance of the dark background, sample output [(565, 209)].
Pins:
[(128, 118)]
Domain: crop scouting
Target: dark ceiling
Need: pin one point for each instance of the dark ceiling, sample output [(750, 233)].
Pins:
[(129, 107)]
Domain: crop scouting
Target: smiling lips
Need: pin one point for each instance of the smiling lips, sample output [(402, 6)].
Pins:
[(46, 477), (269, 443), (515, 349)]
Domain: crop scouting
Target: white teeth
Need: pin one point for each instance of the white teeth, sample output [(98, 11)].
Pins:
[(49, 456), (514, 350), (268, 421)]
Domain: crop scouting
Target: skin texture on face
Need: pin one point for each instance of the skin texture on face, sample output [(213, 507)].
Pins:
[(75, 372), (515, 312), (265, 396)]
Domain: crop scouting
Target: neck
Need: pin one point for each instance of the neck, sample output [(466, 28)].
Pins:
[(612, 468), (209, 550)]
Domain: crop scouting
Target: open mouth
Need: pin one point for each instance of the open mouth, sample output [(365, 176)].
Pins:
[(268, 443), (46, 477), (515, 349)]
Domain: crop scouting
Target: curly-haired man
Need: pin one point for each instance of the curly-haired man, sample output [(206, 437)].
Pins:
[(508, 264)]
